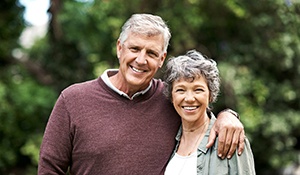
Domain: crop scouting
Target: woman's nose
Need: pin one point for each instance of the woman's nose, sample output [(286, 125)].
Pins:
[(189, 97)]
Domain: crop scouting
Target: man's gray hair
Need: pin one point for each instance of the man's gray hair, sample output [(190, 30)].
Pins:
[(146, 24)]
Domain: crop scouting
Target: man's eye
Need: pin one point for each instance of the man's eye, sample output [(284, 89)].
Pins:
[(134, 49), (152, 54)]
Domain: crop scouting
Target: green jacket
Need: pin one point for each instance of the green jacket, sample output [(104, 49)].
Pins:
[(208, 163)]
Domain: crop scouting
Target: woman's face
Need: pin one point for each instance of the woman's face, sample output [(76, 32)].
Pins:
[(190, 98)]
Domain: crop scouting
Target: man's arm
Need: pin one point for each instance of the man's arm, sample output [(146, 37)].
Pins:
[(56, 148), (231, 134)]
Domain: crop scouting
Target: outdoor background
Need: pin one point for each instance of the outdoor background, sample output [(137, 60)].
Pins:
[(256, 45)]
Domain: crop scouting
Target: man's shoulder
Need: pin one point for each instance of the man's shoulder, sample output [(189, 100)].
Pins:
[(158, 82), (80, 87)]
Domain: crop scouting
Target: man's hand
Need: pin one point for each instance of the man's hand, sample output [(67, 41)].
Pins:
[(231, 134)]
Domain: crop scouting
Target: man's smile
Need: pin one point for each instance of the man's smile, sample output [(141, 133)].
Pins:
[(137, 70)]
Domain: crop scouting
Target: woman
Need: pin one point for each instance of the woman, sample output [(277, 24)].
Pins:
[(192, 85)]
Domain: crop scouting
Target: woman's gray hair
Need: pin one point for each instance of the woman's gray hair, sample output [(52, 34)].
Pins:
[(192, 65), (146, 24)]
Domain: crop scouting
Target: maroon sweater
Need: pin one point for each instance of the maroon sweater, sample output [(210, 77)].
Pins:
[(94, 130)]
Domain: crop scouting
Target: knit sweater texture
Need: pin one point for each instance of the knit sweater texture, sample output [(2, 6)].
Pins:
[(93, 130)]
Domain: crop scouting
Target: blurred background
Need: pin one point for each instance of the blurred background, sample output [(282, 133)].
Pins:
[(46, 45)]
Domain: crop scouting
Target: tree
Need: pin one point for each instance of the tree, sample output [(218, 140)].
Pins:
[(24, 104)]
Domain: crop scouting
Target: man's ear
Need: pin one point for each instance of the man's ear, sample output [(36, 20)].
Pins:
[(119, 48), (162, 59)]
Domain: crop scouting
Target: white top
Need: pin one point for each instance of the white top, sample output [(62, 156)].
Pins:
[(182, 165)]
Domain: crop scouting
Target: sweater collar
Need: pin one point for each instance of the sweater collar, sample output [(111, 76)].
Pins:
[(106, 80)]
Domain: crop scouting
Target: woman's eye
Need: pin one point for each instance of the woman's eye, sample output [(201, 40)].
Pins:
[(199, 90), (179, 90)]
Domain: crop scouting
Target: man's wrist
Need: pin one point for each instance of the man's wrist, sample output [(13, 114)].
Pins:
[(232, 112)]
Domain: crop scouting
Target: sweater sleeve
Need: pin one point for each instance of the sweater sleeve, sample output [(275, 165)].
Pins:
[(55, 152)]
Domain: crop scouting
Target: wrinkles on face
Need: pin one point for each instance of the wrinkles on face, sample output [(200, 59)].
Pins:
[(140, 57), (190, 98)]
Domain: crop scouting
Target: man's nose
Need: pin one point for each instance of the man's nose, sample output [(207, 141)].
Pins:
[(141, 58)]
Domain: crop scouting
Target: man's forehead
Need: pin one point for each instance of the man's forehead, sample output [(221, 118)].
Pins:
[(140, 40)]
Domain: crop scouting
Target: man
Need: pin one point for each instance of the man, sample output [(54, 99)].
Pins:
[(121, 123)]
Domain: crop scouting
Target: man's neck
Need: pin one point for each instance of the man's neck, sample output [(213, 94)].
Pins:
[(119, 83)]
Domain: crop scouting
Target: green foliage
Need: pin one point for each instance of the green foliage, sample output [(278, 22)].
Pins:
[(32, 147), (278, 128), (11, 25), (24, 110), (98, 17)]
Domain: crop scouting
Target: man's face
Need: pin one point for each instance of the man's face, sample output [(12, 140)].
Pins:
[(140, 57)]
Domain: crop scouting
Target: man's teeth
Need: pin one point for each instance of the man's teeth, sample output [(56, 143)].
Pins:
[(190, 107), (137, 70)]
